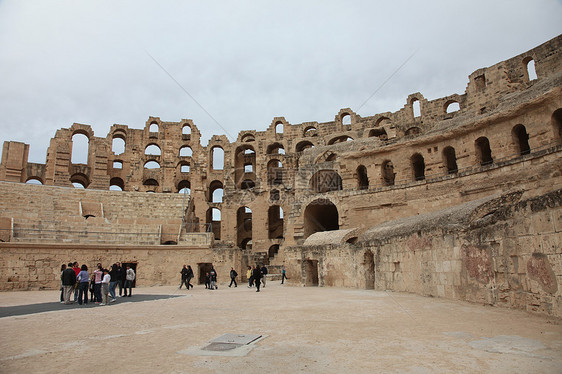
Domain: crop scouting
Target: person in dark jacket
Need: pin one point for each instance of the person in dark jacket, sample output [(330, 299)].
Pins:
[(256, 275), (114, 274), (184, 273), (233, 275), (263, 273), (68, 278), (189, 277), (121, 277)]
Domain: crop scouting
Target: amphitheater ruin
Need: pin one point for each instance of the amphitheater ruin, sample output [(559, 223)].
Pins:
[(458, 197)]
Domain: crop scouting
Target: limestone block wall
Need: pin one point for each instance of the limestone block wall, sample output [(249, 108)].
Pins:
[(504, 254), (33, 266)]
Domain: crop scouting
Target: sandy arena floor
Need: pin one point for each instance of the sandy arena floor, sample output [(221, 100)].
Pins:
[(311, 330)]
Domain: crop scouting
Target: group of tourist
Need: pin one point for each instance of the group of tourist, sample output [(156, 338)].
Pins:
[(256, 277), (101, 284)]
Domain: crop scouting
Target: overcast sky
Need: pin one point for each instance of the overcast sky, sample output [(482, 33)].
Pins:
[(235, 65)]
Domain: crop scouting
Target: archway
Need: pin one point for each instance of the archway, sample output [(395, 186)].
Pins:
[(320, 215)]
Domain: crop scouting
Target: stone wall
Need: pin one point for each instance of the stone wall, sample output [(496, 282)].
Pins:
[(501, 251), (32, 266)]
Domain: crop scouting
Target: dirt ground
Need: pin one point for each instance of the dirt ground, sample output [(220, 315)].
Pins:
[(312, 330)]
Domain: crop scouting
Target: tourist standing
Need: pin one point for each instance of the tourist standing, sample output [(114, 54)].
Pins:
[(68, 278), (84, 280), (98, 275), (62, 268), (263, 273), (114, 274), (256, 275), (76, 269), (233, 275), (207, 281), (121, 277), (106, 280), (129, 278)]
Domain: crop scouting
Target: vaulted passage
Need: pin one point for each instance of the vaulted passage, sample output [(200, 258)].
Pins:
[(320, 215)]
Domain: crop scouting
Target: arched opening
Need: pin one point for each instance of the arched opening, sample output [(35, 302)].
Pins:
[(244, 227), (153, 150), (418, 167), (275, 149), (450, 160), (117, 164), (80, 149), (413, 131), (247, 184), (151, 165), (186, 130), (275, 222), (416, 108), (521, 140), (346, 119), (530, 68), (247, 138), (310, 131), (116, 184), (186, 151), (216, 192), (452, 106), (362, 178), (80, 180), (150, 185), (387, 172), (213, 219), (217, 158), (153, 127), (379, 133), (184, 187), (34, 180), (325, 181), (272, 251), (340, 139), (245, 165), (369, 266), (279, 128), (556, 121), (301, 146), (184, 167), (483, 151), (118, 144), (320, 215), (274, 172)]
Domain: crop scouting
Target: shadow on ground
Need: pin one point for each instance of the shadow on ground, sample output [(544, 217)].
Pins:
[(19, 310)]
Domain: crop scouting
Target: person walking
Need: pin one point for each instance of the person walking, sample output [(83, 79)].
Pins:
[(68, 278), (184, 273), (189, 277), (256, 274), (233, 275), (283, 275), (249, 276), (84, 280), (105, 287), (213, 275), (263, 273), (129, 278)]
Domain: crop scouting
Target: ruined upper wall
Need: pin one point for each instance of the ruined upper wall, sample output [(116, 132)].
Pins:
[(181, 150)]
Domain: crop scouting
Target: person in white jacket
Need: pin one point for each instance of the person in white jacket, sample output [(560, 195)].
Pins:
[(129, 278), (105, 287)]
